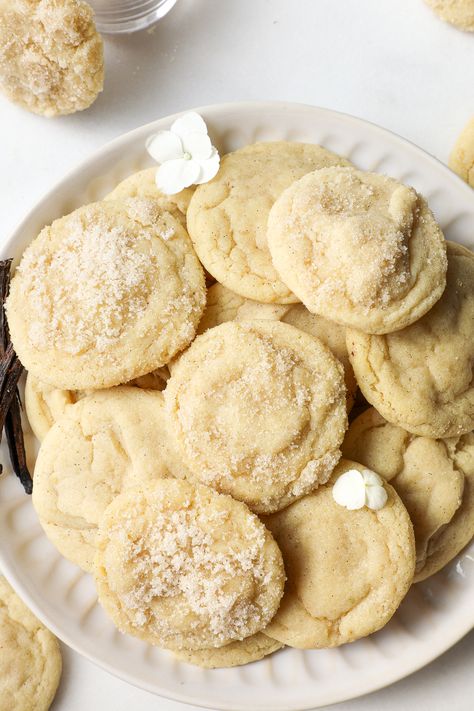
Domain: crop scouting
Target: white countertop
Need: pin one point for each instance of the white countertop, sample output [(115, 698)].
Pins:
[(390, 62)]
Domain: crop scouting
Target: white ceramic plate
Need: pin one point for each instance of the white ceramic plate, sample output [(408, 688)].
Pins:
[(434, 615)]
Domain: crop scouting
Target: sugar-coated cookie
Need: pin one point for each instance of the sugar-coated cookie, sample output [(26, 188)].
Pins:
[(250, 649), (227, 217), (183, 567), (461, 159), (358, 248), (104, 295), (143, 185), (223, 305), (30, 657), (434, 479), (258, 411), (421, 378), (51, 55), (45, 404), (105, 443), (457, 12), (347, 571)]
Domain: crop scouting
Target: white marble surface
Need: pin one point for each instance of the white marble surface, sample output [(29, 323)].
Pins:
[(390, 62)]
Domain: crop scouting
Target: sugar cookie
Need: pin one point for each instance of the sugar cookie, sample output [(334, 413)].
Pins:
[(358, 248), (223, 305), (421, 378), (51, 55), (459, 13), (347, 571), (142, 185), (258, 411), (227, 217), (104, 295), (434, 479), (250, 649), (30, 659), (183, 567), (461, 159), (45, 404), (107, 442)]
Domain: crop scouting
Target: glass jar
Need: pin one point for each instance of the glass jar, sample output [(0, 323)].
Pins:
[(119, 16)]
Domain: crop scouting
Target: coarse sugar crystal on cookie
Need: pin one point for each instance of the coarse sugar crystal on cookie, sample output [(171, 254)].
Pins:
[(227, 217), (51, 55), (107, 442), (358, 248), (421, 378), (45, 404), (183, 567), (250, 649), (30, 659), (223, 305), (258, 411), (434, 479), (143, 185), (347, 570), (104, 295), (459, 13)]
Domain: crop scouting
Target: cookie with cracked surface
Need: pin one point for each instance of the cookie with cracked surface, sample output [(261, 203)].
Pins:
[(250, 649), (421, 378), (347, 571), (30, 662), (143, 185), (45, 404), (51, 55), (459, 13), (183, 567), (223, 305), (358, 248), (258, 411), (104, 295), (227, 217), (461, 159), (434, 479), (116, 439)]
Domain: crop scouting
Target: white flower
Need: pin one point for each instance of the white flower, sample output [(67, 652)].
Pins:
[(355, 489), (186, 154)]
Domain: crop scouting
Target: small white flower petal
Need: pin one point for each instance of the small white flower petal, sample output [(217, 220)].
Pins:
[(349, 490), (209, 168), (189, 123), (375, 497), (164, 146), (371, 478), (198, 145), (175, 175)]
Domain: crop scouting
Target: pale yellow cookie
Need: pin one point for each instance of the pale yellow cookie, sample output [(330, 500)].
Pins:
[(227, 217), (51, 55), (459, 13), (358, 248), (258, 411), (434, 479), (223, 305), (347, 571), (142, 185), (105, 443), (45, 404), (461, 159), (250, 649), (104, 295), (30, 657), (421, 378), (183, 567)]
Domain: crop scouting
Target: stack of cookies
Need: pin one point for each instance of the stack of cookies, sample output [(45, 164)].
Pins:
[(191, 438)]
